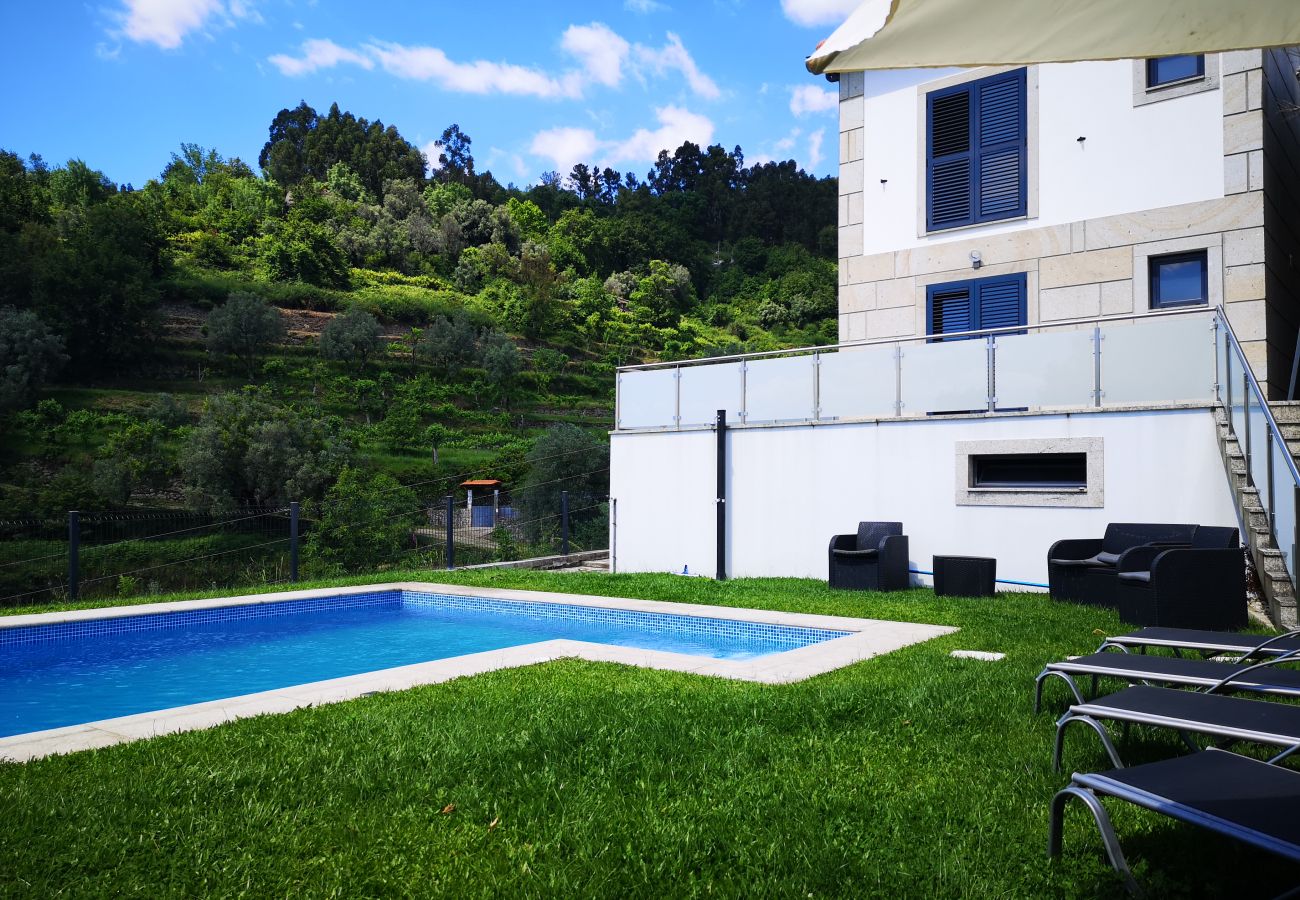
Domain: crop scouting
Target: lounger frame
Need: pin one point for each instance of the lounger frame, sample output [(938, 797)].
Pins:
[(1089, 789)]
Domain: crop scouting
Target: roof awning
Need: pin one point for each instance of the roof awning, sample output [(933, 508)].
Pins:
[(916, 34)]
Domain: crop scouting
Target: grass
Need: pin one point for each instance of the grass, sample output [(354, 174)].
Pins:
[(913, 774)]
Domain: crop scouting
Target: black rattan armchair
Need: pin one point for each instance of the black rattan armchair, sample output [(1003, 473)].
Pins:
[(874, 559), (1084, 570), (1202, 585)]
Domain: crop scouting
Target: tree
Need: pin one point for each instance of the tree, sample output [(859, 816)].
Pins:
[(98, 287), (246, 449), (365, 519), (451, 343), (296, 249), (352, 338), (30, 355), (503, 364), (243, 327), (548, 363), (455, 162), (565, 458)]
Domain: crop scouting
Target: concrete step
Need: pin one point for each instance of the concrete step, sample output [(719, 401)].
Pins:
[(1285, 411)]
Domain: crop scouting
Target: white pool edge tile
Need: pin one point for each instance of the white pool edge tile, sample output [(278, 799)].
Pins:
[(869, 638)]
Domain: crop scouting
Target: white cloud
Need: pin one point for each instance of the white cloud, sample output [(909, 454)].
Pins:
[(673, 55), (600, 51), (431, 151), (644, 7), (808, 99), (676, 125), (167, 22), (602, 57), (565, 146), (318, 54), (477, 77), (815, 148), (818, 12), (786, 144)]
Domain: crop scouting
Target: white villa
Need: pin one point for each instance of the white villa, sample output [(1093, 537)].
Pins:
[(1069, 296)]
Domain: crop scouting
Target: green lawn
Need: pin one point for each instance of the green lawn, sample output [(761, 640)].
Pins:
[(914, 774)]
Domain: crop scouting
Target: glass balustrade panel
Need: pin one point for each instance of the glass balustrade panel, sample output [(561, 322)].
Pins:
[(858, 383), (647, 398), (1053, 369), (707, 389), (779, 389), (947, 377), (1284, 511), (1259, 450), (1164, 360)]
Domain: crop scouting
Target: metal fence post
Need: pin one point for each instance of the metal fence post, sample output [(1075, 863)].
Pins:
[(74, 553), (293, 542), (1245, 409), (722, 495), (564, 523), (451, 539)]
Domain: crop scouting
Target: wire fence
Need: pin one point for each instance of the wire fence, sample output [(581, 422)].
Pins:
[(129, 554)]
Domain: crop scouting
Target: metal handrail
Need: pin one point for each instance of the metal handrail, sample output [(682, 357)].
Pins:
[(921, 338), (1221, 319)]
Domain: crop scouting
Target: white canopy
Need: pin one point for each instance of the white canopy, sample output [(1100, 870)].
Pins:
[(913, 34)]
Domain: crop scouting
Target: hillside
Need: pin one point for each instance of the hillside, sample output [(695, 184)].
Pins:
[(220, 339)]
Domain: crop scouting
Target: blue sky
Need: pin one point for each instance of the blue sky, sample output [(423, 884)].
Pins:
[(122, 83)]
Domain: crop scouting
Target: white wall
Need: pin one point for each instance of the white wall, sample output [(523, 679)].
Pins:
[(1134, 158), (791, 488)]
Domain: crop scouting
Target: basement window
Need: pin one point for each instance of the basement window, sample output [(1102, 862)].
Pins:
[(1029, 471)]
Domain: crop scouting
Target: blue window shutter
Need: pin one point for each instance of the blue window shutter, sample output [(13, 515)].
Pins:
[(949, 159), (974, 305), (976, 152), (1000, 150), (1000, 302), (950, 308)]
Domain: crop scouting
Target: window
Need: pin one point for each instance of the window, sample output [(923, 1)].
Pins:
[(1172, 69), (973, 305), (1179, 279), (975, 152), (1030, 471)]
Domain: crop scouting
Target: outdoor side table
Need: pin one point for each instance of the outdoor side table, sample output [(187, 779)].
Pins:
[(964, 576)]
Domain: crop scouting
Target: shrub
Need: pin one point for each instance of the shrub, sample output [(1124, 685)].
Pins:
[(352, 338), (365, 519)]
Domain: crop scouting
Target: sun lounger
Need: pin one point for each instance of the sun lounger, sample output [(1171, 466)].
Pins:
[(1265, 677), (1187, 712), (1235, 796), (1205, 642)]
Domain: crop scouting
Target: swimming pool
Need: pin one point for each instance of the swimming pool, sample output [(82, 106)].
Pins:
[(57, 675), (94, 677)]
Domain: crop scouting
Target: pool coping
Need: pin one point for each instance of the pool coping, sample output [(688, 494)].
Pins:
[(868, 638)]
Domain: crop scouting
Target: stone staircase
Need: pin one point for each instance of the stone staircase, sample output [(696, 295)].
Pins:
[(1275, 596)]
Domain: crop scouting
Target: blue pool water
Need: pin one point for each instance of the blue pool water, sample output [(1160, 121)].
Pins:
[(56, 675)]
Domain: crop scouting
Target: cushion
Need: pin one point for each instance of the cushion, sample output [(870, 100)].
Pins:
[(857, 554), (1100, 561), (1136, 577)]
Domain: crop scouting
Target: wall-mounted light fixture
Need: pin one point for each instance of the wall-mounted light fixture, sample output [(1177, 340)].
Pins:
[(975, 259), (1081, 139)]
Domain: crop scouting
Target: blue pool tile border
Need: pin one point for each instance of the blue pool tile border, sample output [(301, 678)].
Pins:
[(789, 636), (71, 631)]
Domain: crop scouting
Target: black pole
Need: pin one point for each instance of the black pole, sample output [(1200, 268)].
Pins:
[(74, 553), (564, 523), (293, 542), (722, 494), (451, 539)]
